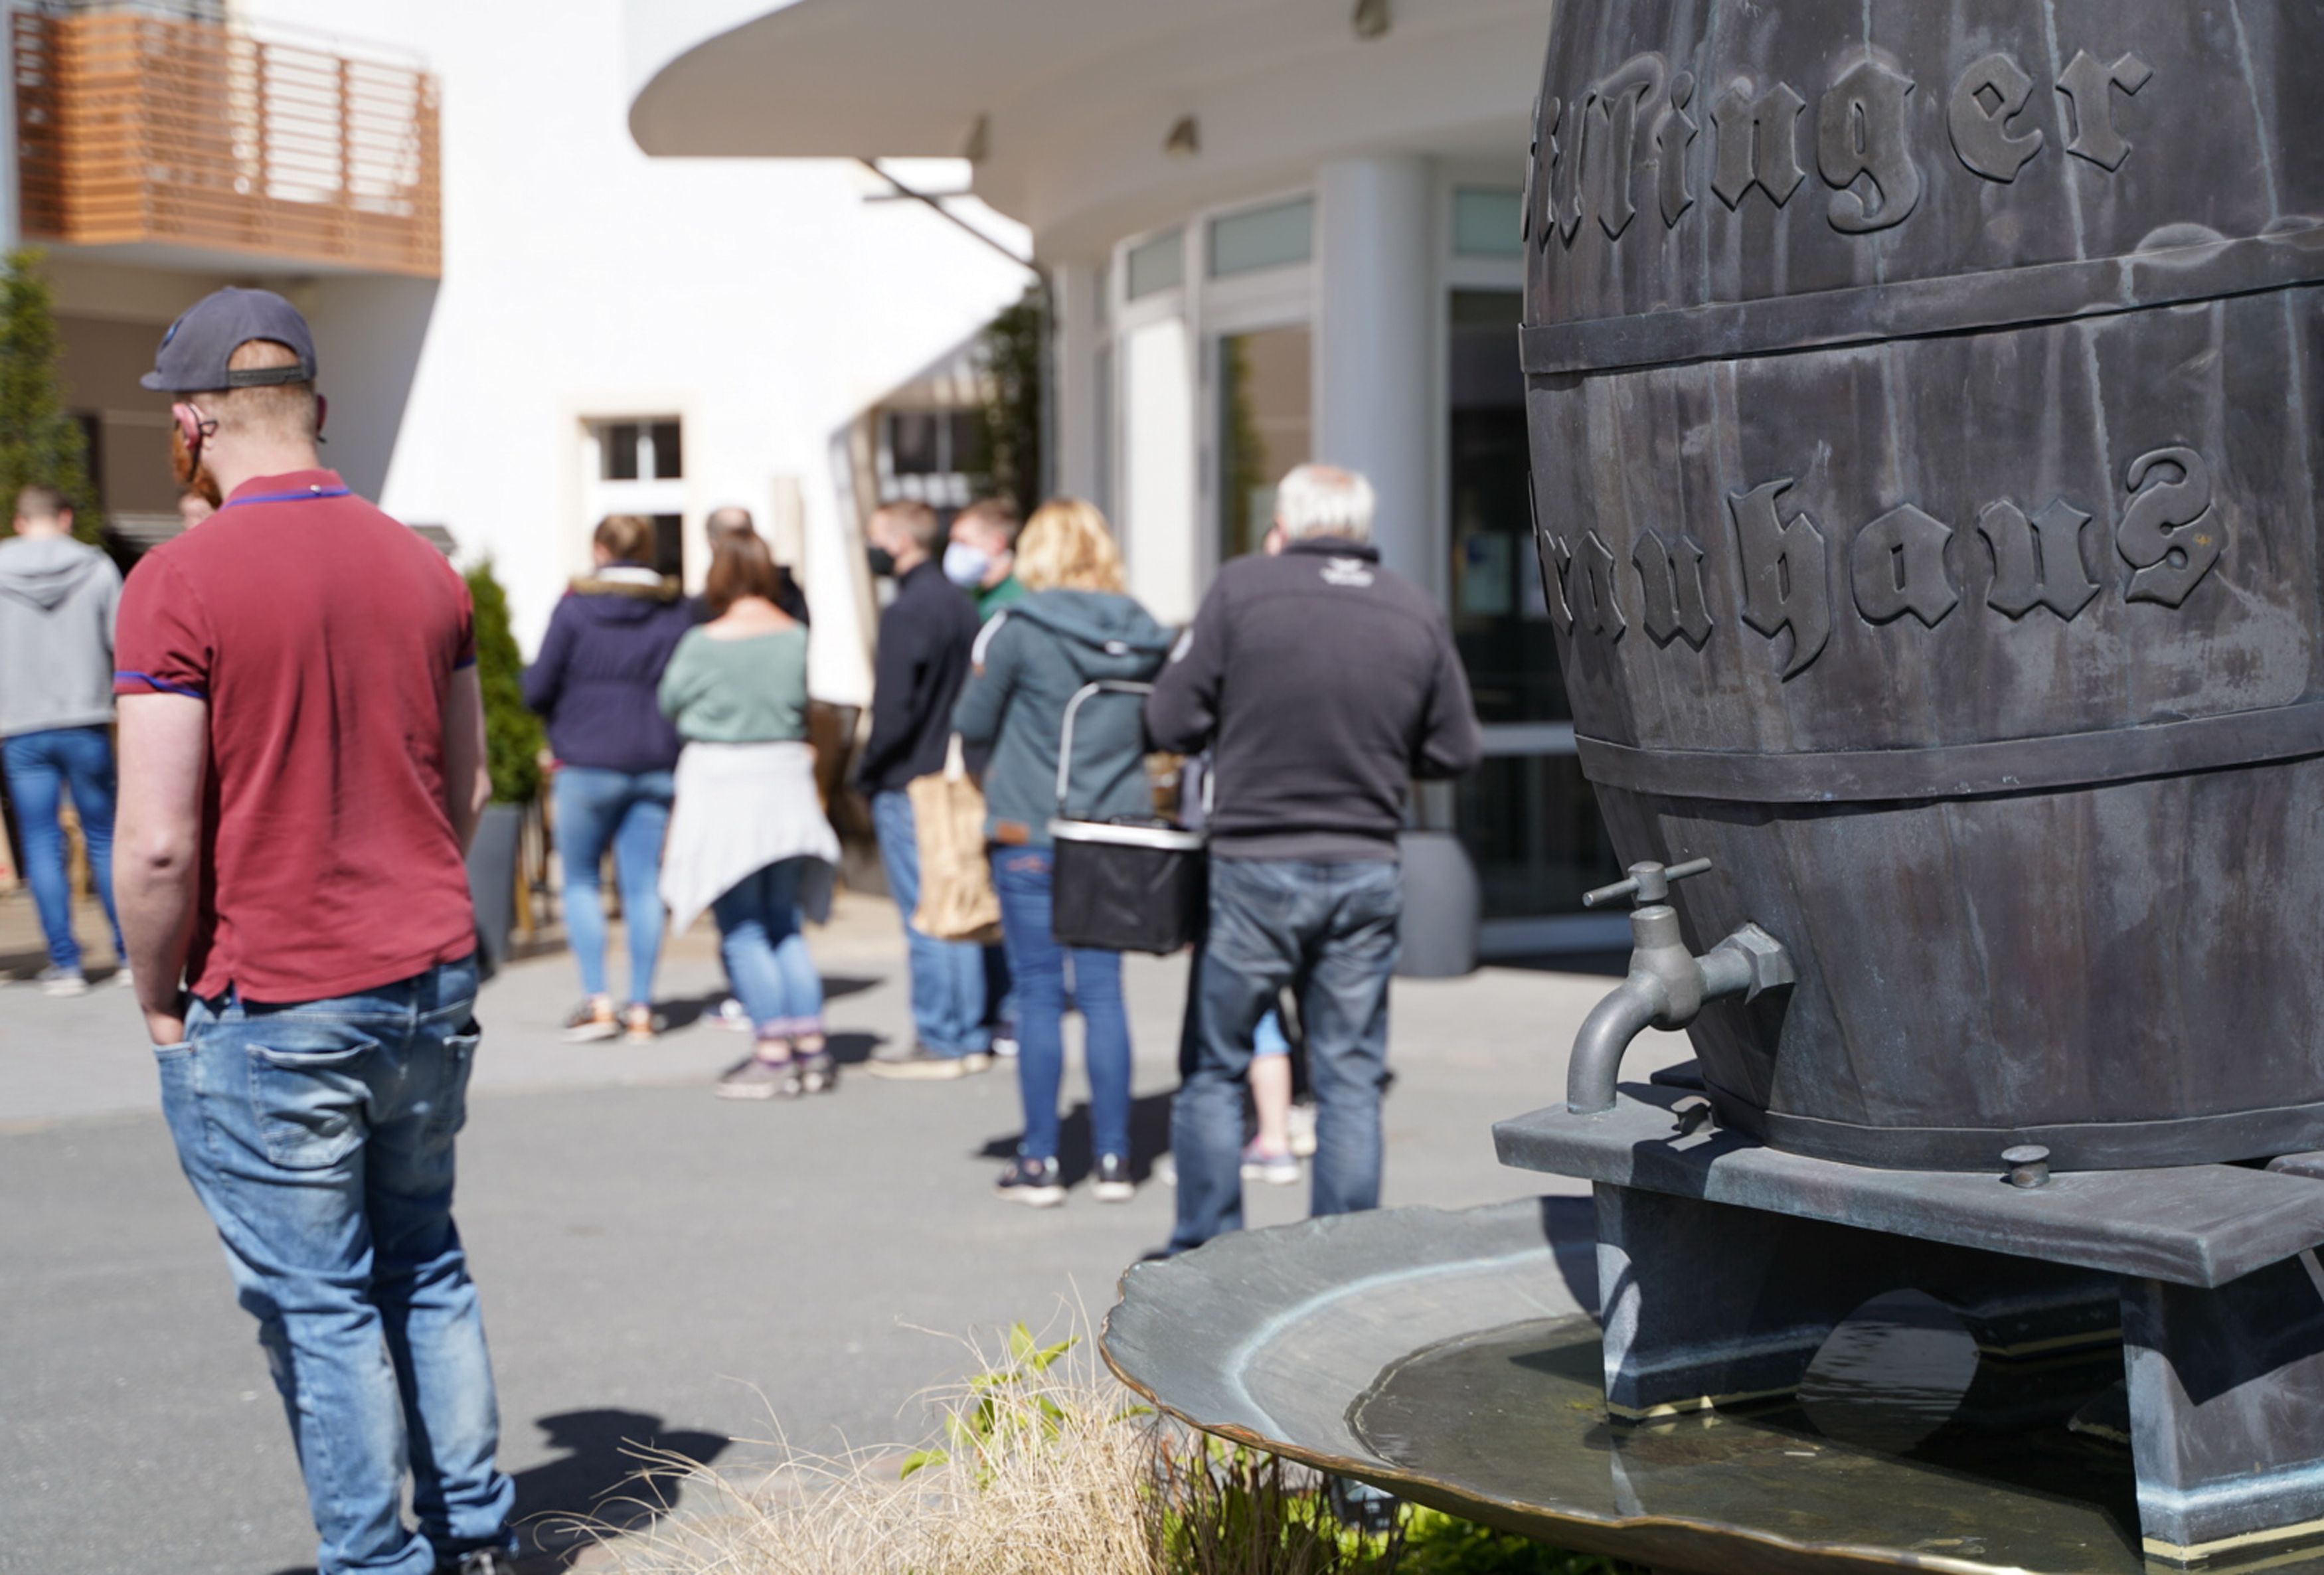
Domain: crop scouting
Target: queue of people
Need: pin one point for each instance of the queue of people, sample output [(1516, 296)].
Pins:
[(303, 952)]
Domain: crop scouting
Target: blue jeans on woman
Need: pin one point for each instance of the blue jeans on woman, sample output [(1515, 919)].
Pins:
[(765, 949), (1038, 963), (948, 976), (319, 1137), (41, 767), (628, 812)]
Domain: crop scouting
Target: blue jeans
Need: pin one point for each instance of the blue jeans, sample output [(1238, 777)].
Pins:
[(948, 976), (766, 953), (1038, 964), (41, 767), (629, 813), (319, 1137), (1329, 929)]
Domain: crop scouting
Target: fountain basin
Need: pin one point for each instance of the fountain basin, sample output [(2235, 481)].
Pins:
[(1447, 1356)]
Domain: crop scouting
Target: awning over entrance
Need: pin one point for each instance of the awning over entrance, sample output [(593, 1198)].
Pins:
[(1086, 118), (843, 79)]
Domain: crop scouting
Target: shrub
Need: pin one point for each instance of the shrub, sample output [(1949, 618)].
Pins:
[(40, 443), (513, 737)]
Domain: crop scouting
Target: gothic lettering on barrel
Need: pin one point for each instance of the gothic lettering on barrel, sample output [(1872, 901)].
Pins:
[(1591, 595), (2089, 88), (1861, 133), (1670, 588), (1612, 144), (2170, 535), (1898, 565), (1989, 94), (1758, 143), (2171, 531), (1785, 582), (1673, 134), (2036, 562), (1585, 162)]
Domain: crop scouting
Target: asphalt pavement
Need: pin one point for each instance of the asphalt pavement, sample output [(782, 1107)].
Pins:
[(660, 1268)]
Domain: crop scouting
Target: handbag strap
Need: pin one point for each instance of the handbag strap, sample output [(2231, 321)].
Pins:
[(955, 759), (1073, 710)]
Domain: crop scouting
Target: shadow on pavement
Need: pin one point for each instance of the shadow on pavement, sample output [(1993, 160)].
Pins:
[(618, 1473), (1149, 1137), (687, 1011)]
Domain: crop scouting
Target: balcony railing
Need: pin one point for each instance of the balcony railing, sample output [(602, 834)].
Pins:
[(135, 128)]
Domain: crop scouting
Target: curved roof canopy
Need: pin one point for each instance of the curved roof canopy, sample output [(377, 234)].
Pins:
[(1068, 103)]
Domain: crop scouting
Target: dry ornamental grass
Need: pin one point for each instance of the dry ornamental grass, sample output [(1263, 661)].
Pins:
[(1050, 1467)]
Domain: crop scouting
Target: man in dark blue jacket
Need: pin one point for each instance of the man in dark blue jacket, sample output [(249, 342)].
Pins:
[(1323, 684), (608, 640), (926, 638)]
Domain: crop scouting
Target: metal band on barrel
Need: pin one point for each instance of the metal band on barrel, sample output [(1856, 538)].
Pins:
[(1969, 771), (1955, 303)]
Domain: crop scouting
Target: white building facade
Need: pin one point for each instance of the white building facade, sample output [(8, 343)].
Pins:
[(599, 331), (1277, 230)]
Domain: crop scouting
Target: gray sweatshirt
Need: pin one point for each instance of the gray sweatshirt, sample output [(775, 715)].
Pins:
[(57, 599)]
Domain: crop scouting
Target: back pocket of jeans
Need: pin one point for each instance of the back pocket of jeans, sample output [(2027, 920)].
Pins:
[(308, 1096), (447, 1102)]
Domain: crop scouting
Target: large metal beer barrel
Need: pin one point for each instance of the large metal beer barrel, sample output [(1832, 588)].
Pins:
[(1924, 405)]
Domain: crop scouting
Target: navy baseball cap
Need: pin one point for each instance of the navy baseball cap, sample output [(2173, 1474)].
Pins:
[(194, 353)]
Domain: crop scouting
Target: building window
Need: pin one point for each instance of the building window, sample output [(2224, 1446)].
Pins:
[(641, 451), (1279, 236), (934, 442), (1488, 221), (933, 456), (1158, 265), (637, 466), (1266, 426)]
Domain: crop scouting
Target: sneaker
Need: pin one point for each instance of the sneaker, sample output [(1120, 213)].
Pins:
[(1164, 1170), (1302, 1132), (123, 979), (757, 1078), (731, 1015), (1034, 1182), (62, 983), (922, 1064), (640, 1023), (1004, 1044), (819, 1073), (592, 1021), (1112, 1184), (1276, 1170), (483, 1561)]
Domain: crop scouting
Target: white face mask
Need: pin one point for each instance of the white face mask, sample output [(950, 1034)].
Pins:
[(966, 566)]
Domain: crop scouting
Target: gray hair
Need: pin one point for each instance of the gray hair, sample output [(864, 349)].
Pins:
[(1324, 500), (731, 520)]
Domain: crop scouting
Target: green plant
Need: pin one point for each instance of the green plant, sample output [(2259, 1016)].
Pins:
[(40, 443), (1013, 351), (1050, 1467), (512, 733)]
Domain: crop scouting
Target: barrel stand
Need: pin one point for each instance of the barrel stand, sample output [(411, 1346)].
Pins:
[(1724, 1265)]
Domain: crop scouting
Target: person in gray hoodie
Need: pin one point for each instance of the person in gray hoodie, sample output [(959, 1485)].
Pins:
[(57, 599), (1074, 627)]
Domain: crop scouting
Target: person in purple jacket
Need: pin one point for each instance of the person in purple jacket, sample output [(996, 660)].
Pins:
[(595, 685)]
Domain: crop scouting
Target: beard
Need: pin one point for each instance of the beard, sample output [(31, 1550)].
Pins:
[(192, 475)]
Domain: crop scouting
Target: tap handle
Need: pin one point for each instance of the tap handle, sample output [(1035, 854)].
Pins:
[(1649, 882)]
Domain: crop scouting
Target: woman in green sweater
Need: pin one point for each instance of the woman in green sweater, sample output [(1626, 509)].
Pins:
[(748, 837)]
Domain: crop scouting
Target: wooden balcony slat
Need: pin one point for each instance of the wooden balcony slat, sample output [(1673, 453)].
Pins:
[(135, 128)]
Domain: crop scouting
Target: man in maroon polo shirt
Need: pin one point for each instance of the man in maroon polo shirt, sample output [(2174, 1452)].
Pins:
[(302, 766)]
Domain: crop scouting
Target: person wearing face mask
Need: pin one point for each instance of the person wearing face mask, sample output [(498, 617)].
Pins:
[(926, 636), (981, 556)]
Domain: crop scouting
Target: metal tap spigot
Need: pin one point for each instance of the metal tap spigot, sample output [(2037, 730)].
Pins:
[(1667, 985)]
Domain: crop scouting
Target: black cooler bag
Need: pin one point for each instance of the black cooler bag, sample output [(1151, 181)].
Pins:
[(1130, 885)]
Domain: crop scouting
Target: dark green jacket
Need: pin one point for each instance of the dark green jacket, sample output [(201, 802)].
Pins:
[(1030, 662)]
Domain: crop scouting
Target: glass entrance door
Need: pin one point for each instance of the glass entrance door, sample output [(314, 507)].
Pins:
[(1266, 427), (1527, 816)]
